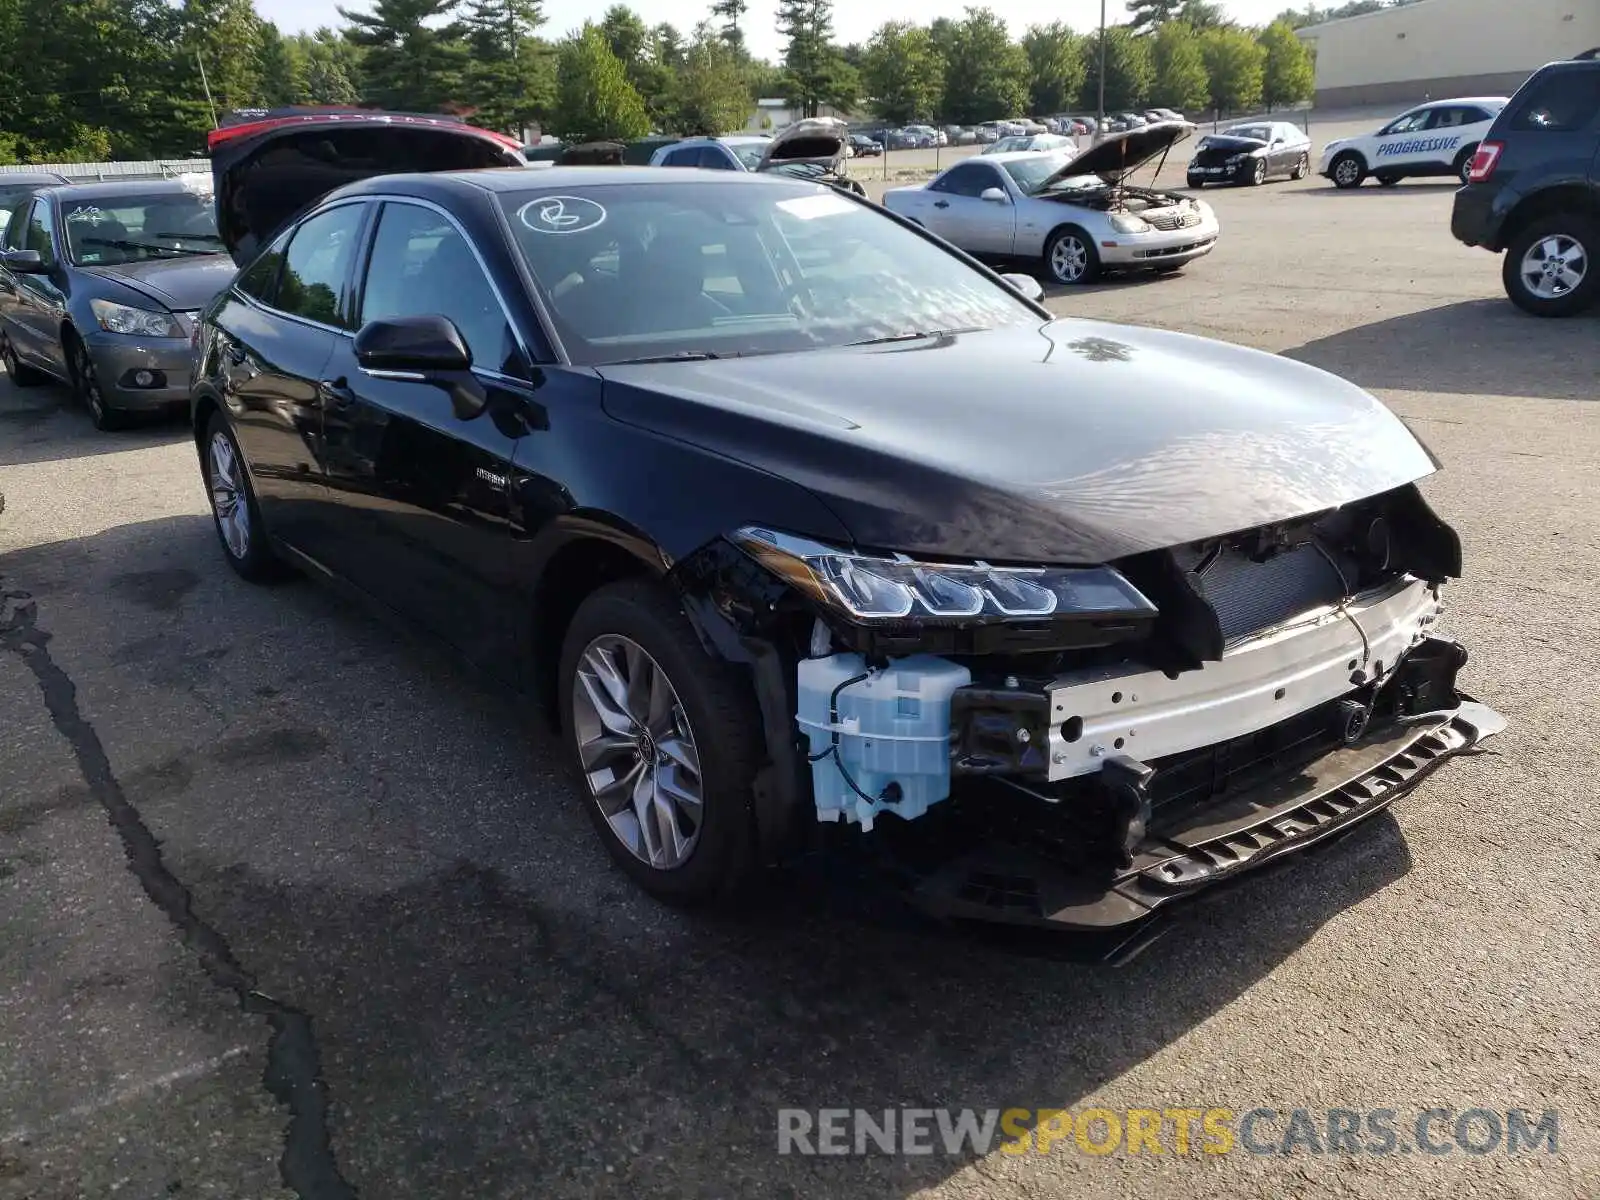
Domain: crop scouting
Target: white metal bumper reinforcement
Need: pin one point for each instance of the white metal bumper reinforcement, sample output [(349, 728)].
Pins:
[(1259, 681)]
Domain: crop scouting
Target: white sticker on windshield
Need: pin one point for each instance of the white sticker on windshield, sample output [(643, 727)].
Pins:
[(561, 214), (197, 182), (828, 204), (87, 214)]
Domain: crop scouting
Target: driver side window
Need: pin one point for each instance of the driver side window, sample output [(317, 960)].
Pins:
[(969, 179), (1410, 123), (40, 232)]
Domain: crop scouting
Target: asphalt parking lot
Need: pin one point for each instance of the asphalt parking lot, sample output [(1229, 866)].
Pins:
[(293, 905)]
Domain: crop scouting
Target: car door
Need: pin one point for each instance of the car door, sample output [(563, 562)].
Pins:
[(960, 215), (1401, 145), (1282, 153), (39, 304), (274, 331), (10, 296), (420, 495)]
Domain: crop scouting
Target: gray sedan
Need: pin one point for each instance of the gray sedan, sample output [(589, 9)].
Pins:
[(99, 288)]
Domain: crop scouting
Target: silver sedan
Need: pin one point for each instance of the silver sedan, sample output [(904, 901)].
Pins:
[(1076, 215)]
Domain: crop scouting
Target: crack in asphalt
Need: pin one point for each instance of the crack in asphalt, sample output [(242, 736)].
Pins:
[(293, 1074)]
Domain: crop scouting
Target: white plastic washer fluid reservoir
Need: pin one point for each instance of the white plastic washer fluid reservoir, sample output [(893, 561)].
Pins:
[(893, 734)]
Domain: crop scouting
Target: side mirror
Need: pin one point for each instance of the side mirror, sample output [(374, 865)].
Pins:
[(25, 262), (424, 349), (1026, 285), (994, 195)]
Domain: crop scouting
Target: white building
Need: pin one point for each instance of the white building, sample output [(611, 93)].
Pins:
[(1442, 48)]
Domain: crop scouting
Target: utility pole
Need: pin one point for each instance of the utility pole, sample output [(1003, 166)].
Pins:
[(1100, 121), (212, 104)]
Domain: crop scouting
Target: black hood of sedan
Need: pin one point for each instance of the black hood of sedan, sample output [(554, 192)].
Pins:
[(270, 165), (178, 283), (1218, 143), (1075, 441)]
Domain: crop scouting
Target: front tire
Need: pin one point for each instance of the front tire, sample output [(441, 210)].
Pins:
[(233, 506), (1347, 171), (1549, 267), (665, 743), (1070, 257), (1258, 173), (21, 374), (88, 389), (1301, 168)]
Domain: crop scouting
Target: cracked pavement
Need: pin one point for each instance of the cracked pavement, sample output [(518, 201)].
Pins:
[(294, 905)]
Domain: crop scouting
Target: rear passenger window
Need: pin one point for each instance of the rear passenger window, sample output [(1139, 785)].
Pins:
[(1563, 101), (316, 266), (682, 158)]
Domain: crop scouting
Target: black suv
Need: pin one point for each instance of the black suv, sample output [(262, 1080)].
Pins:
[(1534, 190)]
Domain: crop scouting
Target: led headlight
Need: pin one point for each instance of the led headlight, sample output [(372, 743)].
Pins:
[(139, 322), (1128, 223), (866, 588)]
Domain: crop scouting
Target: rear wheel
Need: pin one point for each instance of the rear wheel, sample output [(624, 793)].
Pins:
[(665, 742), (1464, 163), (1549, 269), (21, 374), (1348, 170), (1070, 256)]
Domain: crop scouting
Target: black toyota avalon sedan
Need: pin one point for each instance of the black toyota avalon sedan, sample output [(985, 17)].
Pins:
[(803, 527)]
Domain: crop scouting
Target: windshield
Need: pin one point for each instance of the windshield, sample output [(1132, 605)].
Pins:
[(651, 270), (750, 156), (1259, 133), (112, 230), (1032, 174)]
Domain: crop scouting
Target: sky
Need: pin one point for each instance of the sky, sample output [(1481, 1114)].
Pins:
[(851, 22)]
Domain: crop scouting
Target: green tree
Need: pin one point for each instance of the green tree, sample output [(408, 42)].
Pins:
[(903, 73), (809, 58), (710, 94), (332, 67), (1235, 65), (1202, 14), (668, 49), (594, 99), (1055, 67), (1288, 75), (1181, 81), (627, 35), (731, 13), (410, 60), (283, 68), (224, 36), (986, 73), (1151, 14), (508, 79), (1130, 70)]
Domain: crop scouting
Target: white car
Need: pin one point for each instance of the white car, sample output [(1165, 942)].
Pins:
[(1434, 139), (1074, 214), (1032, 141)]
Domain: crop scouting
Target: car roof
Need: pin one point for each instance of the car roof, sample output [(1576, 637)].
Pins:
[(126, 187), (26, 177), (1484, 100)]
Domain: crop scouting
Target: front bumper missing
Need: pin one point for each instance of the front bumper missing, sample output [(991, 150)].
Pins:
[(1025, 881)]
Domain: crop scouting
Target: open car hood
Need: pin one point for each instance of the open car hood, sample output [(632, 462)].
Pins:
[(820, 140), (1121, 154), (268, 165)]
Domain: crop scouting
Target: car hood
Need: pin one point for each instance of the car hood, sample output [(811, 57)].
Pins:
[(1072, 441), (181, 284), (268, 166), (1217, 141), (1120, 154), (819, 140)]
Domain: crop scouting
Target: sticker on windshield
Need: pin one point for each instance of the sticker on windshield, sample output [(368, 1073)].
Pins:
[(86, 214), (197, 183), (561, 214), (827, 204)]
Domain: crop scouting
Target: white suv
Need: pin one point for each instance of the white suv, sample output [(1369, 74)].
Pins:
[(1437, 138)]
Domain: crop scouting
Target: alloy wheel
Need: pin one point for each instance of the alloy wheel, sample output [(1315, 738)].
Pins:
[(1347, 172), (638, 752), (228, 498), (1069, 259), (1554, 266), (1260, 175)]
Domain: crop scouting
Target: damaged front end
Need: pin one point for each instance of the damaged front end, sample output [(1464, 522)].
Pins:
[(1075, 746)]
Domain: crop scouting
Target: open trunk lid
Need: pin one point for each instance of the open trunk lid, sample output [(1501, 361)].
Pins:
[(818, 140), (268, 165), (1121, 154)]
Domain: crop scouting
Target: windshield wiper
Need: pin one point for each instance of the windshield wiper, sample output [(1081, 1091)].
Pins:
[(913, 335), (675, 356), (123, 244)]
